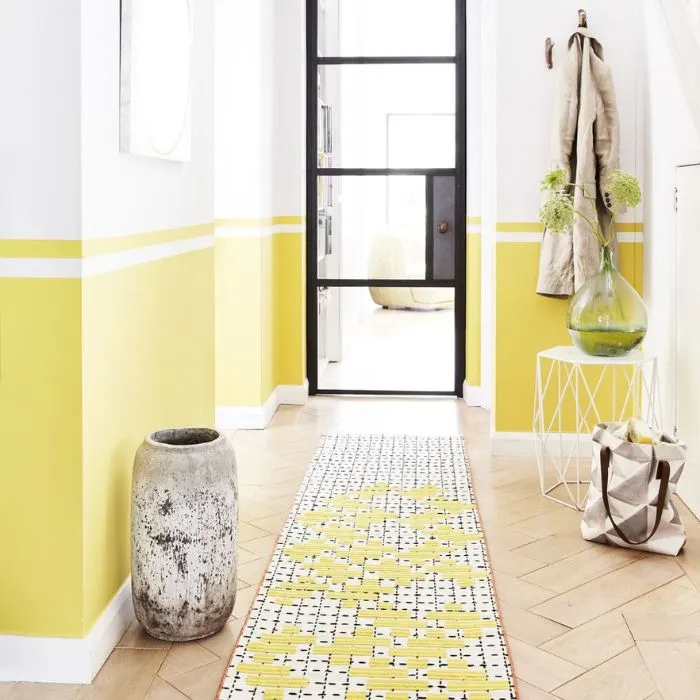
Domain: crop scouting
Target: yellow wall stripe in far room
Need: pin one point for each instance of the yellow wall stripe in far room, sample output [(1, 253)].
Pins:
[(74, 249), (474, 220)]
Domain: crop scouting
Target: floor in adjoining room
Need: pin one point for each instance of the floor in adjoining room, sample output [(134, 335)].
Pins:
[(397, 350), (584, 622)]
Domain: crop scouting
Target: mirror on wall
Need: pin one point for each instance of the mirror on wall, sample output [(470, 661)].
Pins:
[(155, 84)]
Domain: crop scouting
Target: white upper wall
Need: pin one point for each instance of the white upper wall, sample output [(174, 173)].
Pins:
[(474, 107), (671, 141), (122, 193), (526, 89), (40, 119), (244, 110)]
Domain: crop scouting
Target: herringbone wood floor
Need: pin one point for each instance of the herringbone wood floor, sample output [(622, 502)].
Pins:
[(584, 622)]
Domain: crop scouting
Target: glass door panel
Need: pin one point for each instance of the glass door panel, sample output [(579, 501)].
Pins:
[(376, 348), (386, 28), (377, 227), (388, 116)]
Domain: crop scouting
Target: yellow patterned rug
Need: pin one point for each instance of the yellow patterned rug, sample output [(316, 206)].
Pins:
[(380, 585)]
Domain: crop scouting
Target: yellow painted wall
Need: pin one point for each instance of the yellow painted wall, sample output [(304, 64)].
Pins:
[(527, 323), (40, 457), (260, 312), (148, 363), (239, 321), (290, 309)]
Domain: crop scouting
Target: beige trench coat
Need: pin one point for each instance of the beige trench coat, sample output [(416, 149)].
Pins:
[(586, 144)]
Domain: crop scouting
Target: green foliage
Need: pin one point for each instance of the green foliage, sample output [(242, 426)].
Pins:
[(558, 212), (625, 189)]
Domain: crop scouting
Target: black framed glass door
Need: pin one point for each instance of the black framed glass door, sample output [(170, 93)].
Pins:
[(386, 196)]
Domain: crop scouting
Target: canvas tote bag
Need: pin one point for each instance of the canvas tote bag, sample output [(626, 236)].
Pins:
[(629, 500)]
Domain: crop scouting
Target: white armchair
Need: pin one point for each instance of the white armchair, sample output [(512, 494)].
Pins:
[(394, 256)]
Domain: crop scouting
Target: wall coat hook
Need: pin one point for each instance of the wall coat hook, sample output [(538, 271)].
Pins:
[(548, 46)]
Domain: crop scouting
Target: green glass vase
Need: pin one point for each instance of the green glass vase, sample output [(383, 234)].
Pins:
[(607, 317)]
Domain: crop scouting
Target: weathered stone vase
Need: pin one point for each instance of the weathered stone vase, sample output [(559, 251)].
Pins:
[(184, 528)]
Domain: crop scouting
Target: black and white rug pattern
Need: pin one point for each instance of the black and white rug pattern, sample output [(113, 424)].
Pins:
[(380, 585)]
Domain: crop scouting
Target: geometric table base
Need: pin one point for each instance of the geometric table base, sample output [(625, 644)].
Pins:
[(570, 392)]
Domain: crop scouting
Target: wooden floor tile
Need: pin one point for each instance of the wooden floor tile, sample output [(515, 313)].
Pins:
[(562, 519), (593, 643), (272, 523), (262, 547), (582, 567), (519, 593), (531, 692), (39, 691), (127, 675), (253, 571), (524, 509), (136, 637), (675, 667), (244, 556), (203, 682), (505, 538), (664, 628), (555, 547), (675, 598), (247, 532), (610, 591), (244, 599), (509, 562), (184, 657), (528, 627), (624, 677), (223, 642), (539, 668), (162, 690)]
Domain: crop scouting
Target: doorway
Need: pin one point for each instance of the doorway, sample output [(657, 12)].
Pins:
[(386, 196)]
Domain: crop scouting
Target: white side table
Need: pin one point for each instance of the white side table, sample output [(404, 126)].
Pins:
[(563, 393)]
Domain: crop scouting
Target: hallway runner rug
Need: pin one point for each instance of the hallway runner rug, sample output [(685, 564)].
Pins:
[(379, 586)]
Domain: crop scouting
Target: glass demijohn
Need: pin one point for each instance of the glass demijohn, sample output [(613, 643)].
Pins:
[(607, 317)]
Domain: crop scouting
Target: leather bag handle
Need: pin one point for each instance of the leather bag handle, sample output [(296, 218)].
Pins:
[(663, 473)]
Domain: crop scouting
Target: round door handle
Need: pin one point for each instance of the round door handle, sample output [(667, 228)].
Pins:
[(443, 227)]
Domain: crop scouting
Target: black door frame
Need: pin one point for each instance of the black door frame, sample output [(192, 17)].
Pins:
[(313, 61)]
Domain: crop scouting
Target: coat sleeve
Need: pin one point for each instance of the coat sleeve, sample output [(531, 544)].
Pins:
[(607, 130), (556, 272), (567, 109)]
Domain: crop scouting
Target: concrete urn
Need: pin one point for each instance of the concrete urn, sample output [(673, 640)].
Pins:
[(184, 531)]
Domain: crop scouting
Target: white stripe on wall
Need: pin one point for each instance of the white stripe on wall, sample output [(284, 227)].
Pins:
[(75, 268), (64, 268), (518, 237), (257, 231), (111, 262)]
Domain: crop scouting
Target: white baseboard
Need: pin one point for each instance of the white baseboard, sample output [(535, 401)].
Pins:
[(258, 417), (58, 660), (472, 395), (293, 394), (523, 444)]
